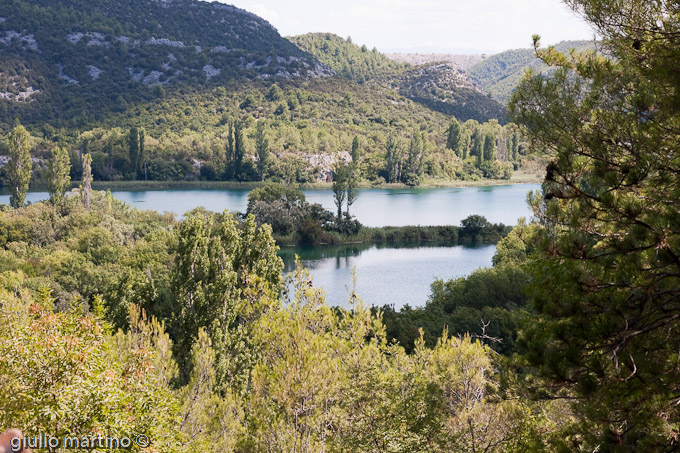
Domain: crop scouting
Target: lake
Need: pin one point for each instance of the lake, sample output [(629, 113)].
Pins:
[(387, 274), (373, 207)]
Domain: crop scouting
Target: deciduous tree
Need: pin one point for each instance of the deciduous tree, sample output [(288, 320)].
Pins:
[(19, 165)]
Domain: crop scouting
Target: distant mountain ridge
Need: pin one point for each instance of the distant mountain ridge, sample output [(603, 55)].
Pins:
[(462, 61), (494, 75), (499, 74), (441, 86)]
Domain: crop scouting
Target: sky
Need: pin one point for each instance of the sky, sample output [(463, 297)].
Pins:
[(426, 26)]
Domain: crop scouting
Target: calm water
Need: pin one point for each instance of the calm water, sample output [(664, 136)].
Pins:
[(373, 207), (386, 275)]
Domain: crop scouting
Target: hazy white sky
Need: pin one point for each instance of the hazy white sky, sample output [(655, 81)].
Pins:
[(462, 26)]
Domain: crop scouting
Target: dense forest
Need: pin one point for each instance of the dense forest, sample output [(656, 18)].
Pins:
[(185, 336)]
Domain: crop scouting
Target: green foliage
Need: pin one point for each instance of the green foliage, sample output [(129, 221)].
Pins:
[(226, 275), (87, 179), (58, 174), (345, 58), (19, 165), (428, 85), (256, 370), (605, 271), (64, 374), (340, 177), (262, 151)]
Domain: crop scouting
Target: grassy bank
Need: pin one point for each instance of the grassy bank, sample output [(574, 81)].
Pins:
[(442, 235)]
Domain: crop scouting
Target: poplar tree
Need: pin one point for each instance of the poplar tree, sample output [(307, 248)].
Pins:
[(262, 149), (453, 137), (230, 151), (354, 174), (226, 275), (340, 175), (133, 143), (19, 165), (58, 174), (239, 149), (489, 147), (477, 145), (393, 157), (140, 155), (87, 180)]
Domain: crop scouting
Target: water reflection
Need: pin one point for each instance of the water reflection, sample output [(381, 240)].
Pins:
[(393, 275)]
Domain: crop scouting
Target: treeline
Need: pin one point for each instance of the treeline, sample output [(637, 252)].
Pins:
[(491, 304), (246, 149)]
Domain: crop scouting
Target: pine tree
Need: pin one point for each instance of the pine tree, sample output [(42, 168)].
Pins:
[(19, 165), (58, 174), (606, 275)]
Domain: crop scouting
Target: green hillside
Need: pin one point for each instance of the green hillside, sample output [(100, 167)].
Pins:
[(73, 62), (347, 59), (499, 74), (440, 87), (195, 75)]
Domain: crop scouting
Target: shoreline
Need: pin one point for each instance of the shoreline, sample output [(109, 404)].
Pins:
[(235, 185), (428, 184)]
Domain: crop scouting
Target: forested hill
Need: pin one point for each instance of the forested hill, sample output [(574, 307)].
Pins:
[(76, 57), (440, 86), (499, 74)]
